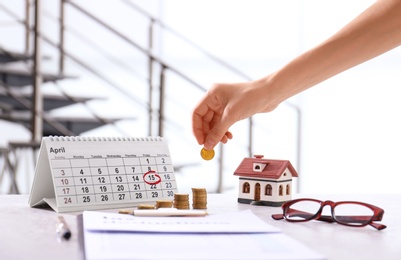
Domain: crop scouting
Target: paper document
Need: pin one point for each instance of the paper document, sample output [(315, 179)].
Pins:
[(233, 236), (240, 222)]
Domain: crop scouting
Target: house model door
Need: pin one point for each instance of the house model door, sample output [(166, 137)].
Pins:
[(257, 192)]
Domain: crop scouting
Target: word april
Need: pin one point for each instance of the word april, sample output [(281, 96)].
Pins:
[(57, 150)]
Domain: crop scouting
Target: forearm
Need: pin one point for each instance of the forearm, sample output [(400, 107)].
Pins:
[(372, 33)]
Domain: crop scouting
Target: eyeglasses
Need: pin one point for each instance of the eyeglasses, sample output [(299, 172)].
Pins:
[(348, 213)]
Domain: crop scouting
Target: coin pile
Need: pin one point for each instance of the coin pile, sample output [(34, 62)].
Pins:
[(181, 201), (207, 154), (164, 204), (126, 211), (146, 206), (199, 198)]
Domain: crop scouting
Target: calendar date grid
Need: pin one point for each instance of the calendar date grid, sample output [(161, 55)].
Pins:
[(119, 179)]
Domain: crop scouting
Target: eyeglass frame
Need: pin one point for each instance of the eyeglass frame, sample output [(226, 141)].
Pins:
[(377, 213)]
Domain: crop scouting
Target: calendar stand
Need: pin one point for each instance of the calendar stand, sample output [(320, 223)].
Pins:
[(81, 173)]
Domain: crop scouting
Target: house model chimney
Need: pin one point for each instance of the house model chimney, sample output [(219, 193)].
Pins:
[(259, 156)]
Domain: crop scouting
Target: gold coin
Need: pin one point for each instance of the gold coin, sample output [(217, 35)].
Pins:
[(207, 154)]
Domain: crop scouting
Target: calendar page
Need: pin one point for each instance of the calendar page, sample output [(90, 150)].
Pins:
[(77, 173)]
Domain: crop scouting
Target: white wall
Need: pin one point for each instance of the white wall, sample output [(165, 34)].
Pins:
[(350, 135)]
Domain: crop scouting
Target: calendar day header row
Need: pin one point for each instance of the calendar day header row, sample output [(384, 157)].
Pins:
[(109, 161)]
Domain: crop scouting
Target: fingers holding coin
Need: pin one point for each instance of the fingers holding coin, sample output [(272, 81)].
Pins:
[(209, 154)]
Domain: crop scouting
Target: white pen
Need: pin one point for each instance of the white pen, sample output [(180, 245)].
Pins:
[(168, 212), (62, 228)]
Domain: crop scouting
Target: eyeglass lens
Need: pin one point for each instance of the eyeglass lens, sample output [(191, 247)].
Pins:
[(346, 213), (353, 214)]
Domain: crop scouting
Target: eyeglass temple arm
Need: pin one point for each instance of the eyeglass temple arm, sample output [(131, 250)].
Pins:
[(377, 225), (277, 216), (379, 217)]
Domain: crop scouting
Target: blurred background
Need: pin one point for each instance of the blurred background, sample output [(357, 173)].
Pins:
[(137, 68)]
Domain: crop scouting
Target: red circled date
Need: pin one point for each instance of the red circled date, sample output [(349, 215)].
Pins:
[(153, 176)]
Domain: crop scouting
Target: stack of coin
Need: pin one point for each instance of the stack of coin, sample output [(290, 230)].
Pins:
[(181, 201), (199, 198), (164, 204), (146, 206), (126, 211)]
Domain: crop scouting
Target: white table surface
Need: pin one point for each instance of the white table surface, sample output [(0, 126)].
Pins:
[(29, 233)]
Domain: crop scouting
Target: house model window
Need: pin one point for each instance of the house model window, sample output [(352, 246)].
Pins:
[(268, 190), (246, 188), (258, 167)]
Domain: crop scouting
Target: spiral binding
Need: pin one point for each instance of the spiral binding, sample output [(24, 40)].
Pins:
[(103, 139)]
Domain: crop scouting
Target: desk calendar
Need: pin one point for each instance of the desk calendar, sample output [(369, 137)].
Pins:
[(82, 173)]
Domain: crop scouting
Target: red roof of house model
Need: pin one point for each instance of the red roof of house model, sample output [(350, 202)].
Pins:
[(273, 170)]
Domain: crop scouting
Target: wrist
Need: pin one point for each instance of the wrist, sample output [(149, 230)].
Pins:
[(269, 92)]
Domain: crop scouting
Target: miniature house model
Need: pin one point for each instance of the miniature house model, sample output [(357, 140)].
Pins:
[(265, 182)]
